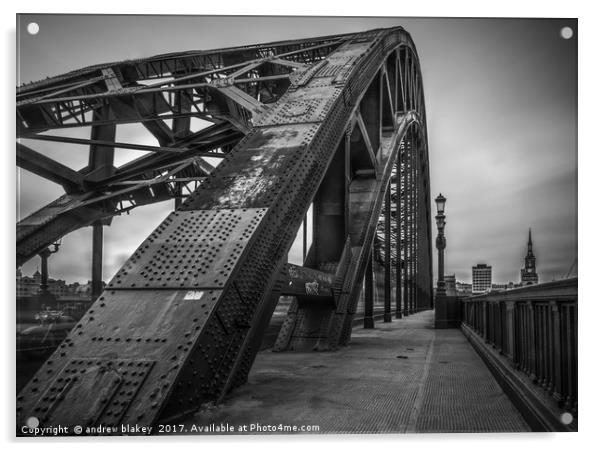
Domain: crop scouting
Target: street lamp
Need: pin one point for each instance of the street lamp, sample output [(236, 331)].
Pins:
[(44, 293), (440, 201), (440, 242)]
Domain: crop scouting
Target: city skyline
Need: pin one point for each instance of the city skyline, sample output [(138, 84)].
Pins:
[(501, 110), (518, 281), (515, 282)]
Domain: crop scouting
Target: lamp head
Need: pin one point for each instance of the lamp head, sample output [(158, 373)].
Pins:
[(440, 201)]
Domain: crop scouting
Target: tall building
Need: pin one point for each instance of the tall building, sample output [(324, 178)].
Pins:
[(481, 278), (528, 274)]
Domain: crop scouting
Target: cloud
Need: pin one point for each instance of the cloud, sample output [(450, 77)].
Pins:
[(501, 109)]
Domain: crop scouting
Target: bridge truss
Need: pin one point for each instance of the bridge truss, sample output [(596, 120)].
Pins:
[(334, 124)]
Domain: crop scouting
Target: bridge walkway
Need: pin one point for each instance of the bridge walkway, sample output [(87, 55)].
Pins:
[(400, 377)]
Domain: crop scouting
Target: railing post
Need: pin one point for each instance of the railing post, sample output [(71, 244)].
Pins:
[(497, 319), (568, 403), (543, 376), (556, 390), (549, 344), (574, 363), (523, 336), (485, 326), (536, 345), (510, 330), (531, 343)]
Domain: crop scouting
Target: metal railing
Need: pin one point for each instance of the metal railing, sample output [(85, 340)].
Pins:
[(535, 327)]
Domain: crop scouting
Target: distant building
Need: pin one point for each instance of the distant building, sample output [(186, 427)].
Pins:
[(481, 278), (450, 285), (502, 286), (463, 288), (73, 299), (29, 286), (528, 274)]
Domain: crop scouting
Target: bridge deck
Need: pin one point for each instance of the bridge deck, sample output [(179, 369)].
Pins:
[(403, 376)]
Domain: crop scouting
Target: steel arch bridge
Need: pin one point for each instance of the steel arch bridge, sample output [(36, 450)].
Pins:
[(333, 124)]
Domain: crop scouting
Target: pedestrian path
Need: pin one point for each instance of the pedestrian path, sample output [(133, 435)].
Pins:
[(400, 377)]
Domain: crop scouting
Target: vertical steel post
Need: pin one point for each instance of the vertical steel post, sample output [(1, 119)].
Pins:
[(413, 238), (387, 316), (398, 239), (44, 276), (406, 226), (416, 277), (97, 250), (304, 237), (369, 292), (178, 198)]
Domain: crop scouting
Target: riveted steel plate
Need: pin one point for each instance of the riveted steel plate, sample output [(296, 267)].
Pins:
[(330, 70), (107, 386), (300, 107), (338, 65), (191, 249), (301, 77), (134, 318), (149, 325)]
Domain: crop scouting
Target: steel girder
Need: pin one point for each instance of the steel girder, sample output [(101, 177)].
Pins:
[(181, 322), (225, 87)]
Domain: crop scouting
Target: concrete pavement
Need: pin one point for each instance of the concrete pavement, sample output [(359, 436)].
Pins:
[(400, 377)]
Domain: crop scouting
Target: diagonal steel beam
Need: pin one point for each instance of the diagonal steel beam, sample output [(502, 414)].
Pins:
[(119, 145), (48, 168)]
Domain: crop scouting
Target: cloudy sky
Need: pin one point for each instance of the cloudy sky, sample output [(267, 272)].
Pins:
[(501, 99)]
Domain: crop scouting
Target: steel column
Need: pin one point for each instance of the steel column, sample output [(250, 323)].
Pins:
[(97, 251), (369, 293), (406, 227), (387, 314), (398, 226)]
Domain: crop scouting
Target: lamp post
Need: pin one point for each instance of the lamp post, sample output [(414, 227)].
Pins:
[(440, 242), (44, 294)]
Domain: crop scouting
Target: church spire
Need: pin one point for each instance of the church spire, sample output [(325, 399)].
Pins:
[(530, 246), (528, 273)]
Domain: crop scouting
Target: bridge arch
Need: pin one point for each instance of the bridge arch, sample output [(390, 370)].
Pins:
[(181, 322)]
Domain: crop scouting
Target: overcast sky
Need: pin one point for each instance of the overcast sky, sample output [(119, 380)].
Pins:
[(501, 98)]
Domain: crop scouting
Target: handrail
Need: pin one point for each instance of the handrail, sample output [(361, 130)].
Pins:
[(535, 327)]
